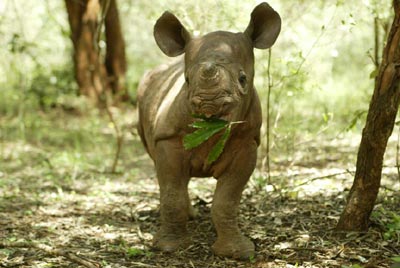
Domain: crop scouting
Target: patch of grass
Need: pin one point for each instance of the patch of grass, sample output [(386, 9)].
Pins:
[(396, 259), (137, 252), (389, 222), (392, 227)]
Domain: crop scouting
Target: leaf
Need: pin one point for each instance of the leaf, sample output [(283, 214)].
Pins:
[(373, 74), (209, 124), (396, 258), (201, 135), (206, 128), (134, 252), (358, 114), (217, 150)]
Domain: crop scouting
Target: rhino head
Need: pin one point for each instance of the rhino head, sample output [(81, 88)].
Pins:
[(219, 66)]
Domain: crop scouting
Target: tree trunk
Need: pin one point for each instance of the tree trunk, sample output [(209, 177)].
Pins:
[(94, 76), (115, 53), (378, 128)]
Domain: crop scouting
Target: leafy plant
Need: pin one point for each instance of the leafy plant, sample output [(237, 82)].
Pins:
[(135, 252), (206, 128), (358, 115), (393, 227), (390, 222)]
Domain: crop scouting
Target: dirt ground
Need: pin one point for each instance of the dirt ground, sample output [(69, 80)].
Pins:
[(57, 212)]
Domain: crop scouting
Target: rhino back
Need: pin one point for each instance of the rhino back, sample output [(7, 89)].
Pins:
[(157, 96)]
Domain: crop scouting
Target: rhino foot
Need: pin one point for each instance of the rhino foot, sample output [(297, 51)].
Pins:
[(168, 242), (238, 248)]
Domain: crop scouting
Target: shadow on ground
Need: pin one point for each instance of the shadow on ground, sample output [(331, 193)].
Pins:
[(61, 209)]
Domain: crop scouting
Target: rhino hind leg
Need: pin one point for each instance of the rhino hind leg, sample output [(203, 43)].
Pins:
[(231, 242)]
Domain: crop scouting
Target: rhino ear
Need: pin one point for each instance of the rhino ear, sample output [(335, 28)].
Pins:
[(264, 26), (171, 36)]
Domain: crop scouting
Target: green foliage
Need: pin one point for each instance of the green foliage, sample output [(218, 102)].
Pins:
[(216, 151), (392, 227), (319, 72), (48, 88), (206, 128), (360, 114), (390, 222), (137, 252)]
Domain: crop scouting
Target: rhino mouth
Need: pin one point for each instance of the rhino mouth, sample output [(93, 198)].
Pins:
[(212, 112), (219, 108)]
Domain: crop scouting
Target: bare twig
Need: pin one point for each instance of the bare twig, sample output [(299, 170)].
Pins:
[(325, 177), (105, 4), (323, 250), (377, 42), (388, 188), (316, 41), (397, 154), (52, 251), (268, 116), (119, 138), (310, 50)]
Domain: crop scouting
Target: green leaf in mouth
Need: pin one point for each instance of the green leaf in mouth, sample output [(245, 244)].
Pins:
[(205, 129), (217, 150)]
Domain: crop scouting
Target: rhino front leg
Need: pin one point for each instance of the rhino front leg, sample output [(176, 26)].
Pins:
[(174, 199), (231, 242)]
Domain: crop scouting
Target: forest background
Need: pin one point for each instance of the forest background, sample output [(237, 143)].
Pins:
[(67, 164)]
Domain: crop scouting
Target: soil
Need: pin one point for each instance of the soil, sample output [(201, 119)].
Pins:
[(55, 215)]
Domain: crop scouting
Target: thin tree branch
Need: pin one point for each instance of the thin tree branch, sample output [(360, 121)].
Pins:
[(105, 4), (268, 116), (397, 154), (325, 177)]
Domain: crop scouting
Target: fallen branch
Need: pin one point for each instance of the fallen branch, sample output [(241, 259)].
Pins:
[(324, 177), (309, 249), (52, 251), (140, 264)]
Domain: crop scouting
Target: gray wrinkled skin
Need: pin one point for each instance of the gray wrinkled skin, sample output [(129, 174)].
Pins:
[(214, 78)]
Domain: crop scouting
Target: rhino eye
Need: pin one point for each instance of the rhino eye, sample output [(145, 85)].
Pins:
[(242, 79), (187, 79)]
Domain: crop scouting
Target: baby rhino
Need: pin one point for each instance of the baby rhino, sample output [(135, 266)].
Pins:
[(214, 79)]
